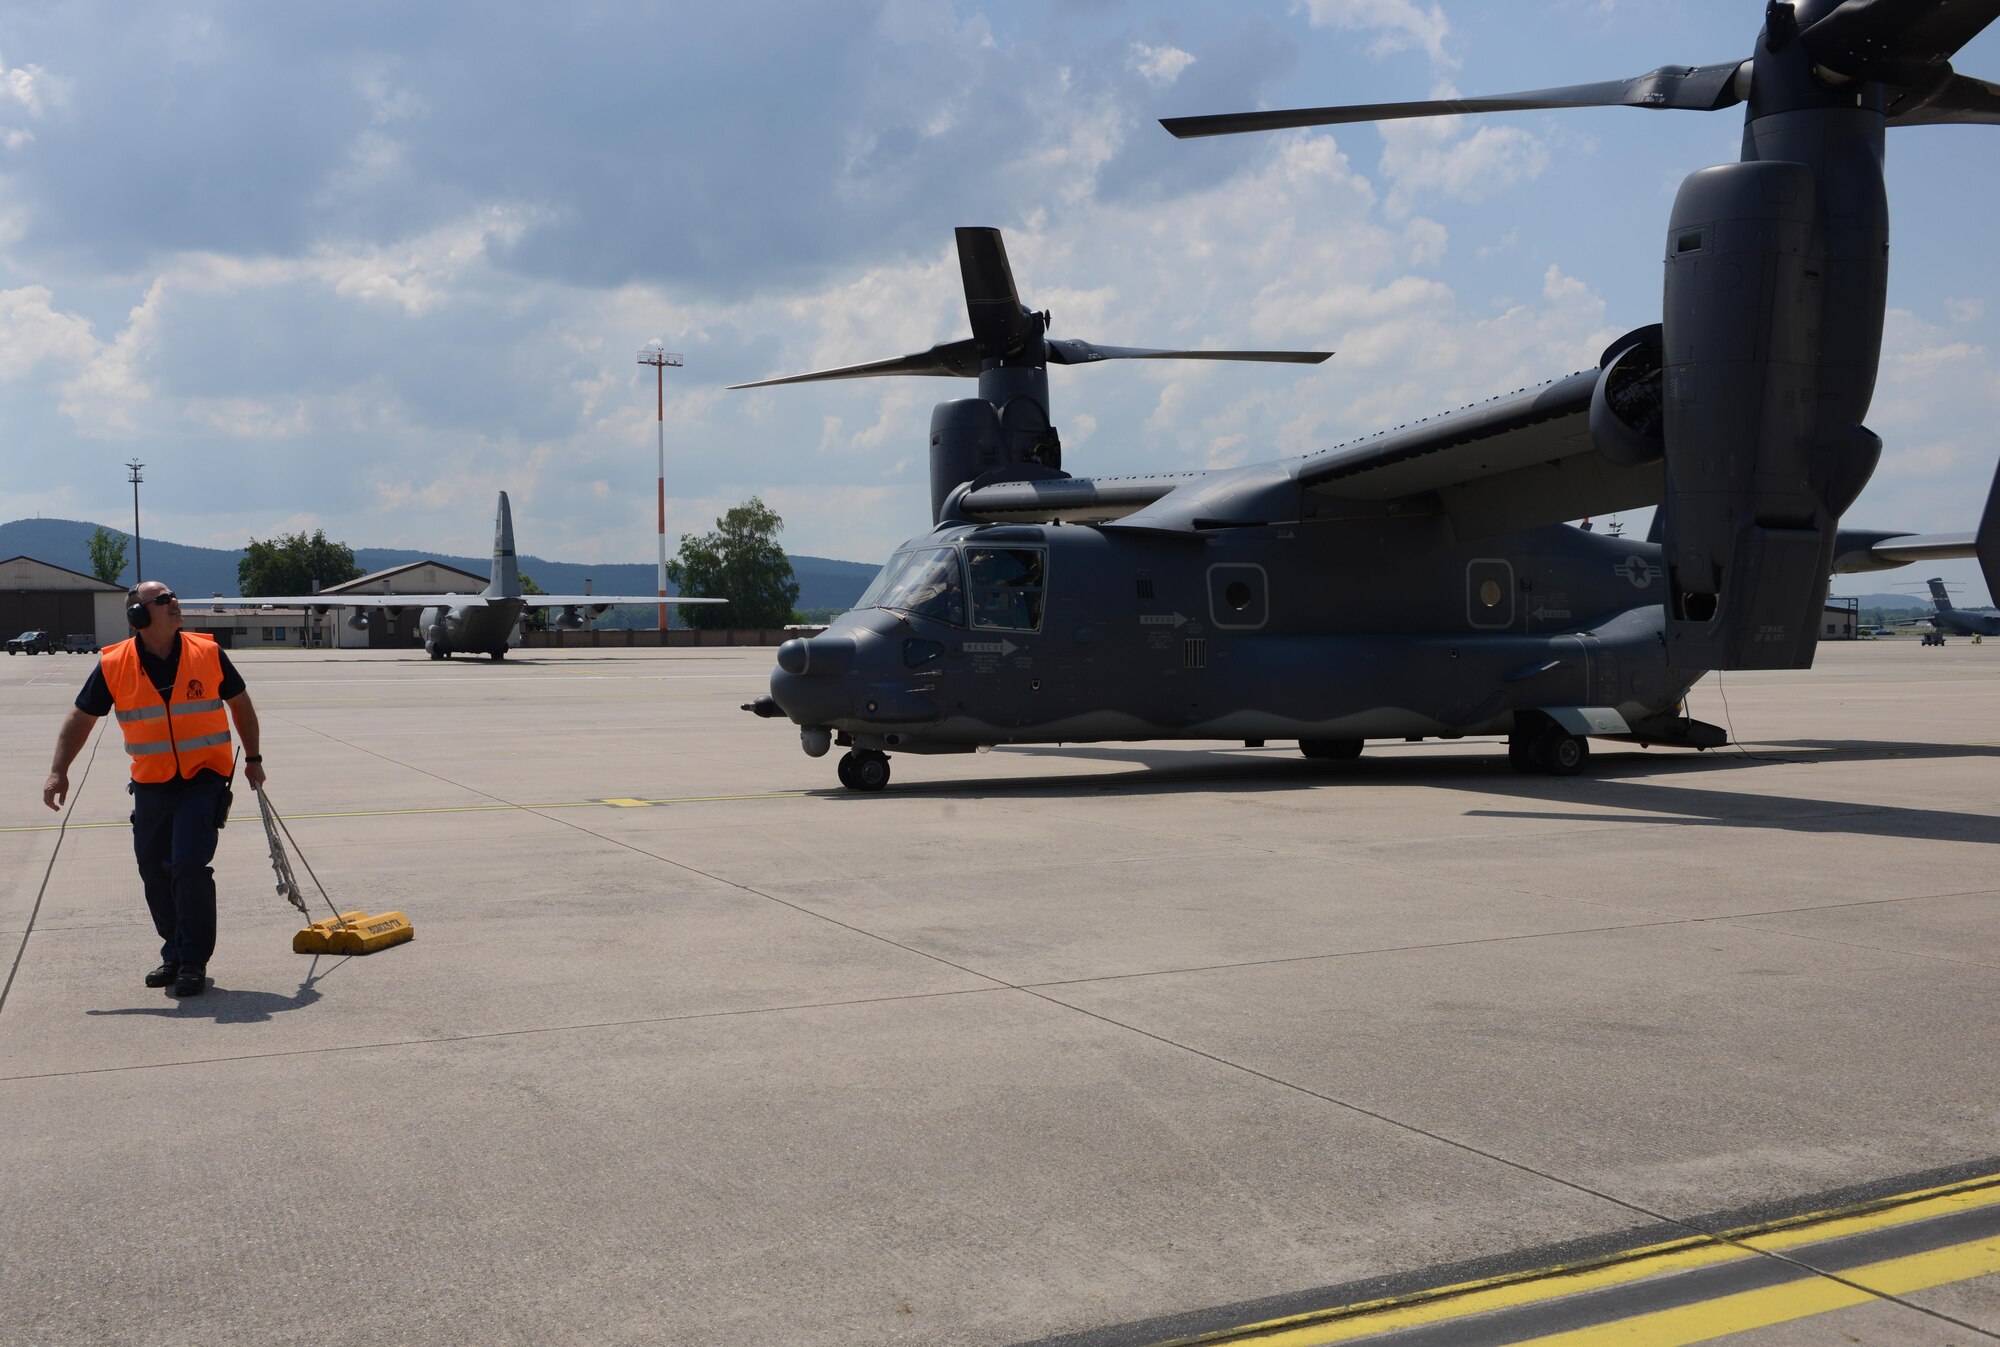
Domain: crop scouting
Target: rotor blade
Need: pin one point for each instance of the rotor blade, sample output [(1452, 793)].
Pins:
[(1695, 88), (958, 359), (1070, 351), (1960, 99), (1897, 41), (992, 302)]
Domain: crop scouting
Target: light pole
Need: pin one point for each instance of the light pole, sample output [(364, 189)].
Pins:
[(138, 548), (659, 359)]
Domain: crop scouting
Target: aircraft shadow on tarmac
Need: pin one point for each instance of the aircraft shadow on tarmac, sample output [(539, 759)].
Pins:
[(227, 1005), (1608, 783)]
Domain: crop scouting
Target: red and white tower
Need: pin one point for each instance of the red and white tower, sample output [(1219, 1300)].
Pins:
[(660, 359)]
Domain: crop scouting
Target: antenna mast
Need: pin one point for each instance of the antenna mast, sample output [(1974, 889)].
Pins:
[(659, 359)]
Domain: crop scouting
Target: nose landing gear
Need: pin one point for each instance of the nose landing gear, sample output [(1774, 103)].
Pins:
[(864, 769)]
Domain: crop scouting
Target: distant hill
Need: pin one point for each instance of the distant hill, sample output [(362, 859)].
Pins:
[(201, 571)]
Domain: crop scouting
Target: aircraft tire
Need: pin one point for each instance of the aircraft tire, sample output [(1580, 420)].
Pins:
[(845, 769), (1340, 750), (870, 771), (497, 655), (1562, 753)]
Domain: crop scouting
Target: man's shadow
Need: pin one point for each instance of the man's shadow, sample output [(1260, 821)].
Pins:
[(229, 1005)]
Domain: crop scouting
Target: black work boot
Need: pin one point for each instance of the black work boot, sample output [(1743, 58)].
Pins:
[(164, 974), (191, 980)]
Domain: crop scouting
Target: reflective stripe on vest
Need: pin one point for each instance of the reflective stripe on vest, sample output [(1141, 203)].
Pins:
[(182, 735)]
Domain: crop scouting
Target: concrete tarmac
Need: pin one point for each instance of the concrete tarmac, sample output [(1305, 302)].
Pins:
[(1101, 1043)]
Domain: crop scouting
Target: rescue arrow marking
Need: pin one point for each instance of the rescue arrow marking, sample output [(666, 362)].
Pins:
[(989, 647), (1161, 619)]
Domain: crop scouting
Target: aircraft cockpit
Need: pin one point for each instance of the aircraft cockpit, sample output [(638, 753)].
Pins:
[(1007, 586)]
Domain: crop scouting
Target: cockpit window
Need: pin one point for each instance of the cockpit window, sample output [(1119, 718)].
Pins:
[(1007, 584), (924, 582)]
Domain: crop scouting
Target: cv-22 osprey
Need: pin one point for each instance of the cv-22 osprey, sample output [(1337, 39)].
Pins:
[(467, 624), (1421, 582)]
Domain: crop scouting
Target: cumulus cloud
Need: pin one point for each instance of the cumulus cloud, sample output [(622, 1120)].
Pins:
[(380, 284), (33, 335), (1399, 25), (1160, 65), (1457, 157)]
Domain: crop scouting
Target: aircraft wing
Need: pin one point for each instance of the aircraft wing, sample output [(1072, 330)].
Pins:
[(603, 600), (1516, 461), (1874, 550), (340, 601), (427, 600), (1074, 500)]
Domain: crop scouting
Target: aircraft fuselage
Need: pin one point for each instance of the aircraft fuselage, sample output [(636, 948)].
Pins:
[(1338, 630), (470, 629)]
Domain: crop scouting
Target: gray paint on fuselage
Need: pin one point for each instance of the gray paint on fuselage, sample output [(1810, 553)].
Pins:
[(476, 629), (1422, 646)]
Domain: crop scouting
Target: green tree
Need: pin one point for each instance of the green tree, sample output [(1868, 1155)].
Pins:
[(107, 554), (741, 562), (289, 563), (533, 619)]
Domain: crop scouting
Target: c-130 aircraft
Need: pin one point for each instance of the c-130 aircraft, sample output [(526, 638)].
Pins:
[(1221, 605), (472, 624)]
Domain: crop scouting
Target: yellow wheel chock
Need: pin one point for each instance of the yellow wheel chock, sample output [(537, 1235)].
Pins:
[(345, 932)]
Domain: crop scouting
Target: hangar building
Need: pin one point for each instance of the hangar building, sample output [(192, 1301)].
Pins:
[(38, 596)]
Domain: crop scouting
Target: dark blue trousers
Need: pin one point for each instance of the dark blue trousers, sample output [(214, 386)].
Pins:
[(174, 825)]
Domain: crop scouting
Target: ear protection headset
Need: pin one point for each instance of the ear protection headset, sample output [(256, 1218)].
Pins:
[(137, 614)]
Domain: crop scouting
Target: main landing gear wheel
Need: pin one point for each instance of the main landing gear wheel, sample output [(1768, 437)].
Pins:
[(432, 650), (1560, 753), (1340, 750), (864, 769), (1552, 751), (497, 655)]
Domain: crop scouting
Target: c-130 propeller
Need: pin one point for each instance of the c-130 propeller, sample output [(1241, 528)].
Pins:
[(1005, 432)]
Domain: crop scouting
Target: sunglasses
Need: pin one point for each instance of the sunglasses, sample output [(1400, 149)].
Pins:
[(164, 599)]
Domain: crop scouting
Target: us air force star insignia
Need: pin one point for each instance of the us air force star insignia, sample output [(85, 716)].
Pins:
[(1638, 570)]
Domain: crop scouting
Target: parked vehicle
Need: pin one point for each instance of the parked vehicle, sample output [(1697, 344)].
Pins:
[(32, 643), (85, 644)]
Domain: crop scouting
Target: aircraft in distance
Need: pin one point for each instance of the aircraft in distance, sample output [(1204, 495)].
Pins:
[(1946, 619), (478, 624), (1421, 581)]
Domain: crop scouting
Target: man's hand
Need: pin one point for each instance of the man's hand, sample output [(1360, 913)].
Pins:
[(55, 789), (253, 772)]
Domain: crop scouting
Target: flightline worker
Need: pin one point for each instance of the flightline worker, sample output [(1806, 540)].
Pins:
[(169, 688)]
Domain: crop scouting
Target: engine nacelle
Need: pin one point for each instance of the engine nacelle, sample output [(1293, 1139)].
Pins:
[(358, 619), (965, 442), (1627, 413), (1766, 347)]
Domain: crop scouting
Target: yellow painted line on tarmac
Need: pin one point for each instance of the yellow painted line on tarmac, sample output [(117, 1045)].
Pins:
[(1800, 1299), (613, 802), (1367, 1319)]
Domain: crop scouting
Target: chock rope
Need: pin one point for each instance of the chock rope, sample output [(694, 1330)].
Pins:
[(349, 932), (288, 886)]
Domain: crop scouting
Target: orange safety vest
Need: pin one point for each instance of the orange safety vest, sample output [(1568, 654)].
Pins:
[(185, 733)]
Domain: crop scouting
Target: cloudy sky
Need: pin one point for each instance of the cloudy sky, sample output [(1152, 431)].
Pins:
[(357, 266)]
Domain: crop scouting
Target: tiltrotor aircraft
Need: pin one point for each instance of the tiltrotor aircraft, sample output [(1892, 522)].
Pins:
[(477, 624), (1222, 605)]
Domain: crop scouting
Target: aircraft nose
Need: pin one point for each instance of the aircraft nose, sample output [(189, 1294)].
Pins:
[(824, 655)]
